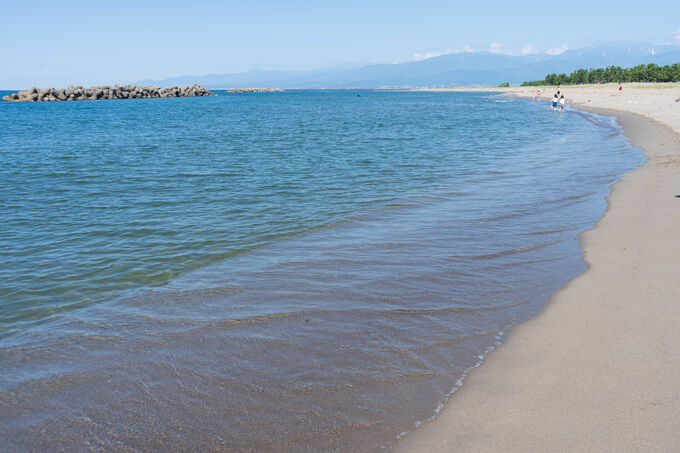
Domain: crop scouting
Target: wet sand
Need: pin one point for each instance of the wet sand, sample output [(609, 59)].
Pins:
[(598, 369)]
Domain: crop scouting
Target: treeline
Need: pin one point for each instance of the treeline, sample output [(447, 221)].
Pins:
[(613, 74)]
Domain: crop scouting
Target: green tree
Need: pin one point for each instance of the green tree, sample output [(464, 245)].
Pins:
[(676, 72), (625, 77), (653, 73), (562, 79), (579, 77), (596, 75), (639, 73), (551, 79), (665, 74)]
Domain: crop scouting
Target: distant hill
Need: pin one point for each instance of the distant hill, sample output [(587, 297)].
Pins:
[(451, 70)]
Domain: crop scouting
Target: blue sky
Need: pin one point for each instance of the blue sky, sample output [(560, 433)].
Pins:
[(57, 43)]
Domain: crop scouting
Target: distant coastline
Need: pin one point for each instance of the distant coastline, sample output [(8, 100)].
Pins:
[(254, 90)]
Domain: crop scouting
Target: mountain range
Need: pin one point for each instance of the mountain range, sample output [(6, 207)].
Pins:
[(449, 70)]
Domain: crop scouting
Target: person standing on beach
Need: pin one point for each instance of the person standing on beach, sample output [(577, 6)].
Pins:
[(538, 95), (562, 101), (554, 102)]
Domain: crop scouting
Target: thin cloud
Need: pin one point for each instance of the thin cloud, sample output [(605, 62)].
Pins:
[(464, 49), (528, 49), (427, 55), (557, 50), (438, 53), (676, 33), (495, 47)]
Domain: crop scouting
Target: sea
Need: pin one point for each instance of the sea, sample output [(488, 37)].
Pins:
[(300, 271)]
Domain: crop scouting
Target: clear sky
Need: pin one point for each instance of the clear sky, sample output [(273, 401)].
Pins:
[(57, 43)]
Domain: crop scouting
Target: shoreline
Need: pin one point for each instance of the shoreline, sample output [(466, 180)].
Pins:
[(654, 101), (345, 323), (597, 369)]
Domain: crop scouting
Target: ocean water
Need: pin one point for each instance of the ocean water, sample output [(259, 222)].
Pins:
[(299, 271)]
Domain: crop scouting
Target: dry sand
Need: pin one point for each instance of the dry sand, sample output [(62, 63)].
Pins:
[(599, 369)]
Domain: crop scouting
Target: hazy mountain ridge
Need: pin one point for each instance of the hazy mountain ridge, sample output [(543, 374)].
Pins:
[(450, 70)]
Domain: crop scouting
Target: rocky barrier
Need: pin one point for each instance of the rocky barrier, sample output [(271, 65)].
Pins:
[(105, 92), (254, 90)]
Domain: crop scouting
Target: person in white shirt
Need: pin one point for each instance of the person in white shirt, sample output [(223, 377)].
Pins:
[(554, 103), (562, 101)]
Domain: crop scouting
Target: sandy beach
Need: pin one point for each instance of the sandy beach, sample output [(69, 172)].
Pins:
[(598, 369)]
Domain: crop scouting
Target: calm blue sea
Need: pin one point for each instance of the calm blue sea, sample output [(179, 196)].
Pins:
[(297, 271)]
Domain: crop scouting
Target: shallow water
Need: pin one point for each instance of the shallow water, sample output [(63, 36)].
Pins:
[(289, 271)]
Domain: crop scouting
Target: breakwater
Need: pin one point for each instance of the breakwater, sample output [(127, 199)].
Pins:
[(80, 93)]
